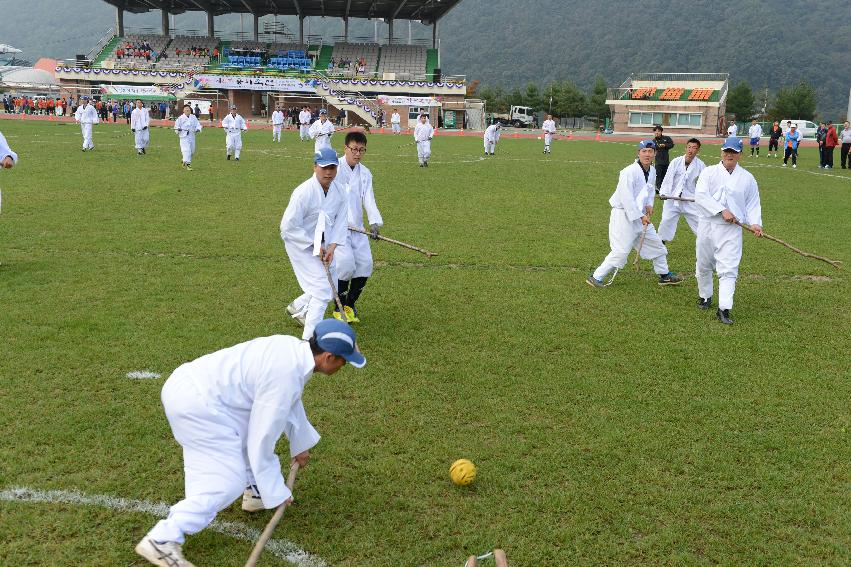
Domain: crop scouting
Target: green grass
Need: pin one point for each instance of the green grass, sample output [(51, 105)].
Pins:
[(611, 427)]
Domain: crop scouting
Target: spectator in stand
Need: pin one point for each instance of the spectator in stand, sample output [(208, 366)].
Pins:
[(821, 133), (831, 140), (845, 139), (791, 141), (774, 134), (663, 144)]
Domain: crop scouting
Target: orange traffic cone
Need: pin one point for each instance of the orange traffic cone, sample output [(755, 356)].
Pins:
[(597, 138)]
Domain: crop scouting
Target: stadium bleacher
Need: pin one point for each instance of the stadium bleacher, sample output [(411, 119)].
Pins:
[(405, 62), (139, 51), (189, 52), (352, 59)]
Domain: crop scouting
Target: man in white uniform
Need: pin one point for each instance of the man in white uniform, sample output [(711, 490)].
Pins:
[(186, 126), (632, 206), (755, 133), (227, 410), (396, 122), (234, 124), (314, 224), (139, 122), (321, 131), (354, 258), (423, 134), (725, 194), (304, 124), (732, 129), (85, 116), (492, 137), (549, 128), (679, 182), (277, 124), (8, 158)]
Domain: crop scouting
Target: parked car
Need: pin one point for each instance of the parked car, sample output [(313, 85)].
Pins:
[(805, 127)]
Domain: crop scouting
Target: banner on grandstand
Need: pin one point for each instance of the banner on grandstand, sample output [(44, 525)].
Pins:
[(408, 101), (132, 90), (237, 82)]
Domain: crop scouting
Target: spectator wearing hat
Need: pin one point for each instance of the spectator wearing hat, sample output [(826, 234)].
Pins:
[(790, 142), (315, 222), (663, 145), (726, 194), (831, 140), (845, 139), (629, 221)]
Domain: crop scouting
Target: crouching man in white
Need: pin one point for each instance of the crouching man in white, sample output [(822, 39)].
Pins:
[(354, 258), (140, 120), (227, 410), (492, 137), (234, 124), (186, 126), (423, 134), (679, 183), (313, 225), (632, 205), (86, 116), (725, 195)]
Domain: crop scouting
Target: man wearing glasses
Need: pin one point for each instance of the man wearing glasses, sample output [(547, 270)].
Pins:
[(354, 258)]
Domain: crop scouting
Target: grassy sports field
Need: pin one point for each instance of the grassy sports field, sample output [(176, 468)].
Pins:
[(617, 426)]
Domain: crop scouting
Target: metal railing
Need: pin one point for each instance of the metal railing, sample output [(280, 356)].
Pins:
[(95, 51), (667, 77)]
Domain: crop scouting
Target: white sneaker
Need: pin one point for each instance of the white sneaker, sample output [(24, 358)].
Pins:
[(794, 166), (250, 502), (784, 165), (166, 554), (299, 316)]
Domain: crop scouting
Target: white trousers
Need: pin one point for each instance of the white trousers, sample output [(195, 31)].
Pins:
[(276, 132), (397, 129), (304, 131), (671, 213), (322, 141), (354, 259), (624, 236), (490, 146), (143, 137), (313, 281), (187, 148), (234, 143), (424, 150), (548, 138), (719, 248), (215, 465), (87, 136)]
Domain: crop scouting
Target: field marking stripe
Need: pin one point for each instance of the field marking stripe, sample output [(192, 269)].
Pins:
[(280, 548)]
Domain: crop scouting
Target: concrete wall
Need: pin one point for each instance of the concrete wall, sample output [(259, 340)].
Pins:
[(709, 120)]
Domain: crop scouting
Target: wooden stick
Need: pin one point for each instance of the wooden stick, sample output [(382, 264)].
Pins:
[(664, 198), (390, 240), (334, 290), (835, 263), (640, 244), (273, 523)]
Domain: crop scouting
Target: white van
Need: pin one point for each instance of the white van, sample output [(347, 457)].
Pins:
[(805, 127)]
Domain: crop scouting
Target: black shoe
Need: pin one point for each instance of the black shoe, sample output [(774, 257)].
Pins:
[(228, 157), (704, 303), (724, 316), (237, 159), (670, 279), (143, 151)]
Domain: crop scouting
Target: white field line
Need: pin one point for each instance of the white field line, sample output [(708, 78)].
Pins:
[(143, 374), (280, 548)]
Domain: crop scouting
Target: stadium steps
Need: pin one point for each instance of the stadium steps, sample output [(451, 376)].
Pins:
[(107, 49), (431, 64), (355, 109), (324, 56)]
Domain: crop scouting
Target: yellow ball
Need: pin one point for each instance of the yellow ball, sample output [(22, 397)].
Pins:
[(462, 472)]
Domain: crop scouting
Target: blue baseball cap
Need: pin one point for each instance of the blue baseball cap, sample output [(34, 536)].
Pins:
[(323, 111), (646, 144), (339, 339), (733, 143), (325, 157)]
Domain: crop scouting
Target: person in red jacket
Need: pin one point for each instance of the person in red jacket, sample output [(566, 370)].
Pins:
[(831, 140)]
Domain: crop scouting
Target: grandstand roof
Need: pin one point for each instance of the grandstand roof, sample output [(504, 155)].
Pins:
[(426, 11)]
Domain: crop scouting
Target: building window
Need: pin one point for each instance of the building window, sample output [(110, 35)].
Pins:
[(668, 119)]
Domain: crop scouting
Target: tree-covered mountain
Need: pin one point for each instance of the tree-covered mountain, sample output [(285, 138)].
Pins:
[(768, 43)]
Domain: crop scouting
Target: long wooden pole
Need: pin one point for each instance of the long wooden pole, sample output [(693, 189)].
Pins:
[(392, 241), (273, 523)]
